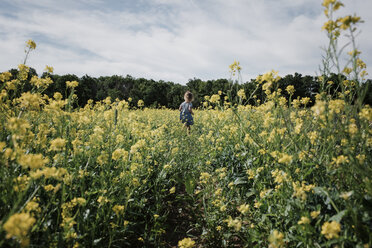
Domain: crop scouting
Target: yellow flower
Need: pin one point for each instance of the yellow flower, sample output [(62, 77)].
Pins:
[(53, 172), (57, 144), (119, 153), (32, 206), (2, 146), (312, 136), (186, 243), (30, 101), (49, 187), (361, 64), (140, 103), (340, 160), (235, 67), (72, 84), (314, 214), (279, 175), (102, 200), (346, 195), (78, 201), (276, 239), (235, 223), (118, 209), (318, 108), (49, 69), (304, 220), (18, 126), (347, 70), (305, 100), (336, 106), (361, 158), (250, 174), (23, 71), (353, 129), (18, 225), (244, 208), (32, 161), (214, 98), (172, 190), (366, 113), (331, 229), (301, 189), (135, 182), (285, 159), (204, 176), (22, 183), (31, 44), (5, 76), (345, 22), (269, 77), (167, 166), (326, 3), (265, 192), (57, 96), (241, 94), (40, 82), (257, 204), (296, 103), (290, 89)]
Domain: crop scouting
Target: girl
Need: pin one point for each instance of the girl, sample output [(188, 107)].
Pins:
[(186, 111)]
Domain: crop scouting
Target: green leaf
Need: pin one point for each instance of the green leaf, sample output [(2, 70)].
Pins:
[(240, 180), (249, 194), (338, 216)]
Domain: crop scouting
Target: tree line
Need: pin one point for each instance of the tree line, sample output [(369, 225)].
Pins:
[(169, 94)]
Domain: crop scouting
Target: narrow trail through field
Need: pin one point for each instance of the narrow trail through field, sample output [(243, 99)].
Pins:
[(185, 209)]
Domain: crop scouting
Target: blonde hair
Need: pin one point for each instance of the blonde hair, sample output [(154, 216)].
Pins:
[(189, 96)]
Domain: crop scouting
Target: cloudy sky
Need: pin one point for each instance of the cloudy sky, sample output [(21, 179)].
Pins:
[(172, 40)]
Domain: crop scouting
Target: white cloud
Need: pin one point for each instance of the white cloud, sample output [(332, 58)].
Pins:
[(171, 40)]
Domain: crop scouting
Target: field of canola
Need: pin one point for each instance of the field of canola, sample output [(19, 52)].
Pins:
[(277, 174), (248, 176)]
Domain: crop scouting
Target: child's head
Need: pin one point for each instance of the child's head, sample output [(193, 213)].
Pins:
[(188, 96)]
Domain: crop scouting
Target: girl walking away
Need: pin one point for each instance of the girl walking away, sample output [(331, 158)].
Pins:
[(186, 111)]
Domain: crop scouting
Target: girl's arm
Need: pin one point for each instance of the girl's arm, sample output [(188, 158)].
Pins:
[(190, 109), (180, 108)]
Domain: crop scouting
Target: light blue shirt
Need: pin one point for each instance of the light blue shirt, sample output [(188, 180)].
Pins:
[(185, 107)]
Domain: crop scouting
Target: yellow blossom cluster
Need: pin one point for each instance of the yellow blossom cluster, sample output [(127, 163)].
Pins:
[(50, 172), (276, 239), (204, 176), (31, 44), (331, 229), (18, 226), (118, 209), (234, 223), (32, 161), (304, 221), (300, 190), (186, 243), (235, 67), (72, 84)]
